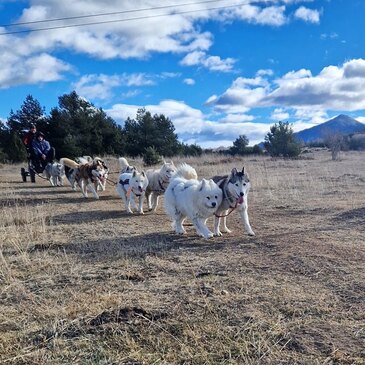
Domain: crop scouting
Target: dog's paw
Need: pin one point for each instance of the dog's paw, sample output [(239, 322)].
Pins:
[(208, 235), (218, 234), (141, 212), (226, 230), (251, 233)]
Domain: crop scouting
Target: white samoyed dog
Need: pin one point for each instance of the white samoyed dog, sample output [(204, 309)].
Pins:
[(186, 196), (158, 180), (132, 184)]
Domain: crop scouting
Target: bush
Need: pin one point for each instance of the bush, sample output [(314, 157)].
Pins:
[(151, 157)]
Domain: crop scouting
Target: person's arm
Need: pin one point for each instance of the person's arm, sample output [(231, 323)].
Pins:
[(46, 147), (36, 148)]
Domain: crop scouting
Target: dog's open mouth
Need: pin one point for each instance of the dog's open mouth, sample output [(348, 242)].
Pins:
[(240, 200)]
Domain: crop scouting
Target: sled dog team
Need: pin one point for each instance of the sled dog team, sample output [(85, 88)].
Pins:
[(186, 196)]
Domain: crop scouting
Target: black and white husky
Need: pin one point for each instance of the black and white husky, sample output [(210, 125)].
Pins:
[(235, 188)]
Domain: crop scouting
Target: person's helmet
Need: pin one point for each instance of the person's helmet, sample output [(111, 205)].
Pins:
[(33, 127)]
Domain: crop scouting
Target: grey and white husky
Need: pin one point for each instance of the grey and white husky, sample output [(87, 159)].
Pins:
[(54, 173), (158, 180), (235, 188)]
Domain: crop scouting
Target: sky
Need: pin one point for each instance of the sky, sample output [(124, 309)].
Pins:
[(217, 69)]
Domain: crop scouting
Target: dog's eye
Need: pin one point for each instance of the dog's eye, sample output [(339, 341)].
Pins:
[(216, 197), (208, 197), (244, 184), (236, 184)]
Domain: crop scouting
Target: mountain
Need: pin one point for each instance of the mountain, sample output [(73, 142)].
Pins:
[(342, 124)]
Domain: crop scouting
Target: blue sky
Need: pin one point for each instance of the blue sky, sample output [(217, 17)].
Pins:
[(217, 69)]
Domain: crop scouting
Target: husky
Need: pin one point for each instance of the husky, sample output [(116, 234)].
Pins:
[(158, 180), (186, 196), (87, 175), (132, 184), (102, 183), (235, 188), (54, 172)]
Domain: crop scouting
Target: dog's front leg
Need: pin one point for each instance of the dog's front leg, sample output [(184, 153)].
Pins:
[(201, 228), (128, 202), (242, 209), (83, 188), (178, 223), (149, 200), (154, 202), (91, 185), (140, 206), (217, 222)]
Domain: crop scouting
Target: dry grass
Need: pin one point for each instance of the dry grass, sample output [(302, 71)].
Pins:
[(84, 283)]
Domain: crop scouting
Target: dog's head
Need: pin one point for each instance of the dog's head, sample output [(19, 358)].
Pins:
[(238, 184), (55, 169), (167, 170), (138, 182), (98, 169), (210, 194)]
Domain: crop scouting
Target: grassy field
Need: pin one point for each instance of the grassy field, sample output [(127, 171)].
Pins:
[(82, 282)]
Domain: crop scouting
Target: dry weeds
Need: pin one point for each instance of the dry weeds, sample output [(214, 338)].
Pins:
[(82, 282)]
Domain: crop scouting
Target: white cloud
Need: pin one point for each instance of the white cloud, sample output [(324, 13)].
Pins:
[(307, 15), (212, 63), (189, 81), (101, 86), (334, 88), (192, 125), (16, 70), (279, 114)]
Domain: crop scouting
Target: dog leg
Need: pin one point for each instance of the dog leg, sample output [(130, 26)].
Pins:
[(155, 202), (225, 228), (217, 222), (128, 202), (93, 190), (140, 206), (201, 228), (244, 215), (149, 199), (178, 223), (83, 188)]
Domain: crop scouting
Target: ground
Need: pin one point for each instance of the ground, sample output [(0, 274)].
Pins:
[(83, 282)]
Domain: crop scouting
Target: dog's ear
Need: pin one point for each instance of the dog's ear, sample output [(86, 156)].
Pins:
[(203, 184), (163, 161), (243, 170), (134, 173), (143, 174), (234, 171)]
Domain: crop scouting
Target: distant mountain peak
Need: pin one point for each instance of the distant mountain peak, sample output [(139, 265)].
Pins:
[(342, 124)]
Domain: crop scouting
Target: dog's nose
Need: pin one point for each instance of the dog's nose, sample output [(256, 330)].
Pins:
[(242, 193), (214, 204)]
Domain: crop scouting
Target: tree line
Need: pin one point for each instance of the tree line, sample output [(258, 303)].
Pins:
[(76, 128)]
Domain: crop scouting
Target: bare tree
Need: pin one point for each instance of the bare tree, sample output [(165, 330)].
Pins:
[(335, 142)]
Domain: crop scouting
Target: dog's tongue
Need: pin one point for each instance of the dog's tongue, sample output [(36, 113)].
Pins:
[(240, 200)]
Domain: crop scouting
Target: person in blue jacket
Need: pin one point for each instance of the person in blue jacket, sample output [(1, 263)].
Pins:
[(43, 152)]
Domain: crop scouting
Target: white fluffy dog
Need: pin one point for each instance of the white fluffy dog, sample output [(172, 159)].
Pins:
[(132, 184), (125, 166), (54, 173), (158, 180), (186, 196)]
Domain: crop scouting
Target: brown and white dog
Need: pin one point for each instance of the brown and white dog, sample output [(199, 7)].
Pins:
[(87, 175)]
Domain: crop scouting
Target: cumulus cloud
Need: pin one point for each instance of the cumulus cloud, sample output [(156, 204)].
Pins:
[(16, 70), (189, 81), (279, 114), (101, 86), (213, 63), (193, 126), (334, 88), (307, 15)]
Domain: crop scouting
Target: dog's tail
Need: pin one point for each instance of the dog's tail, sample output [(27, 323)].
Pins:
[(123, 163), (69, 163), (185, 171)]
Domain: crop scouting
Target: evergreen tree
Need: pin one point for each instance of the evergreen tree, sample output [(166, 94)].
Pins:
[(280, 141), (76, 127), (239, 146), (150, 131)]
